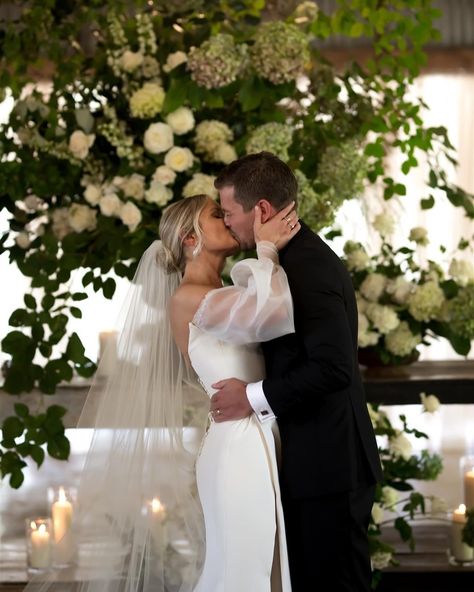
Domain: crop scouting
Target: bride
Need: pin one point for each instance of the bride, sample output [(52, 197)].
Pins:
[(168, 508)]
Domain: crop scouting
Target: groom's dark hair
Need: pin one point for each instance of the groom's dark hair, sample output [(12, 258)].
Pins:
[(259, 176)]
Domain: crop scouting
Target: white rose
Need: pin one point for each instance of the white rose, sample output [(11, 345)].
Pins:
[(179, 159), (181, 121), (373, 286), (23, 240), (377, 513), (92, 194), (175, 59), (32, 202), (110, 205), (130, 60), (380, 559), (200, 184), (118, 181), (130, 215), (400, 445), (225, 153), (158, 138), (430, 402), (390, 496), (134, 186), (82, 218), (158, 194), (79, 143), (164, 175)]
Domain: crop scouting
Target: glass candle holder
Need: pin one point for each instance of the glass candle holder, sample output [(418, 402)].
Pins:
[(467, 476), (460, 552), (39, 547), (62, 502)]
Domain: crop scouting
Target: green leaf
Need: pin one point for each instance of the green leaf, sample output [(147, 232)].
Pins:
[(21, 410), (108, 288), (77, 296), (75, 349), (375, 149), (17, 343), (428, 203), (87, 278), (30, 301), (251, 93), (76, 312), (59, 447), (37, 454), (16, 478), (12, 428), (175, 95), (84, 119), (403, 528), (19, 318), (56, 411), (47, 302)]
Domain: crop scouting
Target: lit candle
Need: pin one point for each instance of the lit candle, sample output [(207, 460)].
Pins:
[(62, 511), (469, 489), (107, 351), (460, 551), (158, 518), (40, 554)]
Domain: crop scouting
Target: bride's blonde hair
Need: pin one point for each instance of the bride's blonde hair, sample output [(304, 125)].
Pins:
[(178, 221)]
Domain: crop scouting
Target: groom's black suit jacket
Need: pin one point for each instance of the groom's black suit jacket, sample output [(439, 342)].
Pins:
[(313, 383)]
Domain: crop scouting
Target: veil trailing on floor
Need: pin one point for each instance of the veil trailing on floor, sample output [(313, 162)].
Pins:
[(138, 525)]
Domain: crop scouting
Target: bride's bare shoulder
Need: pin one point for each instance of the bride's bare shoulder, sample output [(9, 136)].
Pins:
[(187, 298)]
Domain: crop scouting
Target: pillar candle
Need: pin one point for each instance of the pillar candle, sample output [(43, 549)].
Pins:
[(469, 489), (62, 512), (107, 351), (460, 551), (158, 519), (40, 554)]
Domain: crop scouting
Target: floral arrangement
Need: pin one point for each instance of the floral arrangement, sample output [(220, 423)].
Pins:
[(152, 100), (402, 303), (396, 501)]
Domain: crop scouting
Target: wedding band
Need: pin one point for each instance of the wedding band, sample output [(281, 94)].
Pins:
[(291, 227)]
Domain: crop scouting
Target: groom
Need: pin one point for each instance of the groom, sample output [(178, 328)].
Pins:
[(330, 462)]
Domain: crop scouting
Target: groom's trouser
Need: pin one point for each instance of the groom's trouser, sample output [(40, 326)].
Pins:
[(327, 541)]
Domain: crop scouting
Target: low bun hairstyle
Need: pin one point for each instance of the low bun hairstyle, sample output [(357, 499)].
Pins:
[(178, 221)]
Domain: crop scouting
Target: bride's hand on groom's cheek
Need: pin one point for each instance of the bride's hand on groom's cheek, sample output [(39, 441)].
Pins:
[(230, 402), (280, 229)]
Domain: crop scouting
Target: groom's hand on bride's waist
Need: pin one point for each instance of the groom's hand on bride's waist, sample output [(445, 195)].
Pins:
[(230, 402)]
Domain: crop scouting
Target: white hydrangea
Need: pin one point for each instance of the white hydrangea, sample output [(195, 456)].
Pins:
[(92, 194), (361, 303), (174, 60), (380, 559), (130, 215), (430, 402), (23, 240), (82, 217), (158, 193), (130, 60), (384, 318), (134, 186), (377, 513), (158, 138), (400, 445), (181, 121), (401, 341), (179, 159), (357, 260), (419, 235), (164, 175), (110, 205), (390, 496), (384, 224), (426, 302), (399, 289), (209, 134), (367, 338), (200, 184), (147, 101), (79, 144), (462, 271), (373, 286)]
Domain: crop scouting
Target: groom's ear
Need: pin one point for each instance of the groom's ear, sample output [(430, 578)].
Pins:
[(268, 211)]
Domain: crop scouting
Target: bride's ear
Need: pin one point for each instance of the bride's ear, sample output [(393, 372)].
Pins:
[(189, 240), (267, 210)]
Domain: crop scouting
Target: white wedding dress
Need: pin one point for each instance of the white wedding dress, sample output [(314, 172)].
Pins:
[(237, 473)]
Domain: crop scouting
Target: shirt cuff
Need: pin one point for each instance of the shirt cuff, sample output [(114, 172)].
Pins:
[(258, 401)]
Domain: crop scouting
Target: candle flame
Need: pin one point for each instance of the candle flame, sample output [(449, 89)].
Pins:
[(42, 528), (156, 506), (62, 495), (33, 525), (462, 508)]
